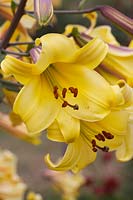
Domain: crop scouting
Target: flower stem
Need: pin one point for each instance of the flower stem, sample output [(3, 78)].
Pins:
[(19, 13)]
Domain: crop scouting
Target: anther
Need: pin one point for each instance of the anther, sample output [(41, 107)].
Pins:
[(93, 143), (107, 135), (74, 91), (94, 149), (64, 92), (55, 92), (100, 137), (65, 103)]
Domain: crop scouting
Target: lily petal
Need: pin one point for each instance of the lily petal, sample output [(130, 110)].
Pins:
[(104, 32), (54, 133), (55, 48), (76, 157), (69, 126), (69, 159), (94, 104), (119, 61), (91, 54), (125, 151), (36, 105), (21, 70)]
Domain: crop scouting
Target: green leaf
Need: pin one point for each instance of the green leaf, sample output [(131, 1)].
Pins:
[(13, 6)]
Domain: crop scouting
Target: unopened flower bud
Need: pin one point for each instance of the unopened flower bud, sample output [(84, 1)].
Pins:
[(43, 10), (118, 18)]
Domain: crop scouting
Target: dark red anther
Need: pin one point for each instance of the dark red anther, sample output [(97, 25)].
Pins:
[(55, 92), (64, 92), (108, 135), (65, 103), (100, 137), (93, 143), (94, 149), (71, 89), (75, 92)]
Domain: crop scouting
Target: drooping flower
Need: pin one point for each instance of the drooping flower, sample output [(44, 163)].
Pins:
[(106, 135), (118, 62), (52, 84)]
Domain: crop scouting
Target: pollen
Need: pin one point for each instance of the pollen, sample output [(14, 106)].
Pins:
[(107, 135), (64, 92), (56, 95), (74, 91), (100, 137)]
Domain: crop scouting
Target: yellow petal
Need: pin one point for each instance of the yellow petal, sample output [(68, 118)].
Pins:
[(91, 54), (36, 105), (69, 126), (115, 123), (119, 62), (54, 133), (69, 159), (76, 157), (55, 48), (94, 103), (69, 28), (125, 151), (104, 33), (87, 156), (21, 70)]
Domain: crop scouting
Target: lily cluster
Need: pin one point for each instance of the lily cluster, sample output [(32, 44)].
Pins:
[(77, 86)]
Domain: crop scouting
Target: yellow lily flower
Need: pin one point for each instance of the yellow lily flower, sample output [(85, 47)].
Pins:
[(56, 72), (118, 61), (106, 135)]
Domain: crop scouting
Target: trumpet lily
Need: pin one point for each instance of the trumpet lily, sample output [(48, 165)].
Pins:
[(106, 135), (52, 85)]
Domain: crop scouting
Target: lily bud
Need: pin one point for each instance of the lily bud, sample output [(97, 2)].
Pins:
[(118, 18), (43, 10)]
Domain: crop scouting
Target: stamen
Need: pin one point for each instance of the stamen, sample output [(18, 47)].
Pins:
[(75, 107), (95, 146), (108, 135), (100, 137), (64, 92), (55, 92), (105, 148), (65, 104), (74, 91), (93, 143), (94, 149)]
